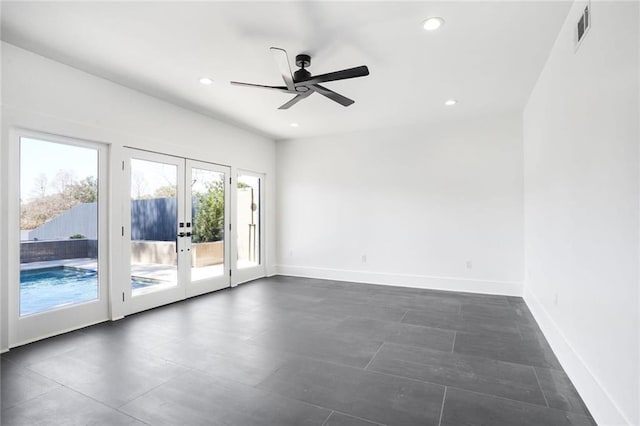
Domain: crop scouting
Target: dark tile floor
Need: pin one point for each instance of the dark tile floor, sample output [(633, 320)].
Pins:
[(293, 351)]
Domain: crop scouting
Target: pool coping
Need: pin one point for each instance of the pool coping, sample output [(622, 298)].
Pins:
[(80, 263)]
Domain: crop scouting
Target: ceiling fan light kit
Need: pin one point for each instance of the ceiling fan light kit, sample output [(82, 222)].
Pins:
[(302, 83)]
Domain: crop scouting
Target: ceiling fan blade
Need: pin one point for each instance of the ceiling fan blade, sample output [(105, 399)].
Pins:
[(260, 86), (342, 100), (280, 55), (360, 71), (295, 100)]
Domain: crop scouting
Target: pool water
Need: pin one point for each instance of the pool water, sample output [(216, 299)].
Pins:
[(50, 288)]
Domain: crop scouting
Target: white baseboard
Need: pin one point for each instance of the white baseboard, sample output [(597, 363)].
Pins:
[(602, 407), (3, 351), (503, 288)]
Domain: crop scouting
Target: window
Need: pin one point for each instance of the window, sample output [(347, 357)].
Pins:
[(58, 225)]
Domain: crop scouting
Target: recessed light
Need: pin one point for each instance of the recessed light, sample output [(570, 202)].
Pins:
[(433, 23), (293, 124), (206, 81), (451, 102)]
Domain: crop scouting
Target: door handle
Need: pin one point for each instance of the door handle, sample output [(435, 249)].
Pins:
[(180, 234)]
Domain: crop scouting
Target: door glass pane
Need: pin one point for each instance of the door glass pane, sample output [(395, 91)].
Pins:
[(154, 222), (207, 212), (248, 229), (58, 225)]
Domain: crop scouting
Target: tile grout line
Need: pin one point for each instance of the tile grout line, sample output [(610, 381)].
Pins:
[(32, 398), (442, 408), (530, 404), (104, 404), (189, 370), (540, 386), (409, 378), (360, 418), (453, 346), (311, 404), (328, 417), (405, 314), (374, 356), (344, 414), (271, 392), (466, 355), (405, 377), (463, 389)]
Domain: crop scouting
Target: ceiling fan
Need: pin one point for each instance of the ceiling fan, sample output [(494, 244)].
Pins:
[(302, 84)]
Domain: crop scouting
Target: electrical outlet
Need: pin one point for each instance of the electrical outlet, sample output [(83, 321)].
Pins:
[(364, 258), (468, 264)]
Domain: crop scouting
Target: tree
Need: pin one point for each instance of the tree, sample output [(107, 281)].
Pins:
[(69, 193), (138, 185), (40, 185), (209, 223), (166, 191), (85, 191), (62, 179)]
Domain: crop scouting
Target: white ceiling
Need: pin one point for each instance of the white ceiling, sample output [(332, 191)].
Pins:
[(488, 55)]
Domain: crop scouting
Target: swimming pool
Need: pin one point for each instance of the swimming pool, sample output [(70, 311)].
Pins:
[(51, 288)]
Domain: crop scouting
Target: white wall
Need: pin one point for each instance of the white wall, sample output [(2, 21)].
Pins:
[(44, 95), (581, 140), (418, 202)]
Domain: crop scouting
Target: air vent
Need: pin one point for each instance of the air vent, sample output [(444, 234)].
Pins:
[(583, 25)]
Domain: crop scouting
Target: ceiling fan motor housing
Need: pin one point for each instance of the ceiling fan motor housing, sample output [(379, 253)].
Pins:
[(301, 75)]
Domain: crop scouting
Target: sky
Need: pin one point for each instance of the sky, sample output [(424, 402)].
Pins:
[(38, 157), (147, 176), (48, 158)]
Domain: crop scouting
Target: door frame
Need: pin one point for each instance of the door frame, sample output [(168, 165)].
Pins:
[(23, 330)]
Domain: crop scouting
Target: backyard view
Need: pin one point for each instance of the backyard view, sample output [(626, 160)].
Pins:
[(154, 224), (58, 225), (207, 210), (59, 201), (154, 207)]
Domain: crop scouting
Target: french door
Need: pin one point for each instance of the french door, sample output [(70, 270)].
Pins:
[(176, 242)]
